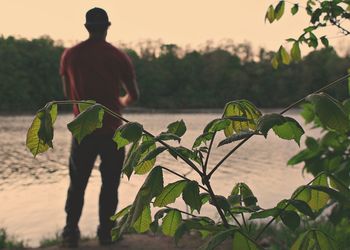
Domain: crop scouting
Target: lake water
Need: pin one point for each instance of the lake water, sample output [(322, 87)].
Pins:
[(33, 191)]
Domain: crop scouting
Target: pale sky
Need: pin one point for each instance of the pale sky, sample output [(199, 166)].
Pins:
[(183, 22)]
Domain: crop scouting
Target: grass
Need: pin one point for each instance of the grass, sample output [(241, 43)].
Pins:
[(7, 242), (57, 239)]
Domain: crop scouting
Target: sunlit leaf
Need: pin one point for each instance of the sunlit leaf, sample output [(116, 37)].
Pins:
[(330, 112), (178, 128), (318, 198), (270, 14), (314, 239), (83, 106), (202, 139), (121, 213), (295, 52), (86, 122), (171, 222), (145, 165), (284, 55), (128, 133), (142, 224), (289, 130), (191, 196), (170, 193)]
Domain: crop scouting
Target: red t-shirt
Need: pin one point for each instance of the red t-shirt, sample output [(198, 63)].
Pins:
[(95, 70)]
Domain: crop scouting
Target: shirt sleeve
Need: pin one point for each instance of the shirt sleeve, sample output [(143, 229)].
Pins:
[(63, 63)]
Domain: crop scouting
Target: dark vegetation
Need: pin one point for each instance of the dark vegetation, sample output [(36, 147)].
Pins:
[(171, 77)]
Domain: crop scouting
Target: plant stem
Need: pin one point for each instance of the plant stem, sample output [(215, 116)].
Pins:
[(205, 166), (183, 177), (286, 205), (215, 202), (331, 84), (235, 219)]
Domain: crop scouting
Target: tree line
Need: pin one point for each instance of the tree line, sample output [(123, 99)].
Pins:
[(171, 77)]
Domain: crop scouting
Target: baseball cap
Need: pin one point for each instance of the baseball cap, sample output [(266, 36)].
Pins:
[(97, 16)]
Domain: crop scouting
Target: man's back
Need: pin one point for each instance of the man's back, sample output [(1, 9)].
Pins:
[(96, 71)]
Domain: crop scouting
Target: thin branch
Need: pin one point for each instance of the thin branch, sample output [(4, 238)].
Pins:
[(183, 177), (331, 84), (286, 205), (233, 217), (205, 166)]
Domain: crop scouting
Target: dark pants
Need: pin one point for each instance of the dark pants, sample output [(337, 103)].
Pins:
[(81, 162)]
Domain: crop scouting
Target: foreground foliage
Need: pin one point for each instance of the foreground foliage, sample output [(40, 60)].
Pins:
[(240, 121)]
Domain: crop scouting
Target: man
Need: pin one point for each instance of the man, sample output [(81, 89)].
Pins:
[(96, 70)]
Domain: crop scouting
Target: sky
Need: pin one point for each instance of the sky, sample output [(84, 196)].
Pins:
[(183, 22)]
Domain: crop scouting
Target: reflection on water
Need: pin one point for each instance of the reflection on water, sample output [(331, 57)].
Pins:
[(33, 190)]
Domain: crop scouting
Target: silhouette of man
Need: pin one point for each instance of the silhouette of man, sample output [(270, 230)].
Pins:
[(96, 70)]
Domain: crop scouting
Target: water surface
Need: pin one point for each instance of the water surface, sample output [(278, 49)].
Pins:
[(33, 190)]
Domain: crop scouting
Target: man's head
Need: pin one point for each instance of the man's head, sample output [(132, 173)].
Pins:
[(97, 21)]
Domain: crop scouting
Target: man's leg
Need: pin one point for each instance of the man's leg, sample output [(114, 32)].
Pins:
[(81, 162), (110, 168)]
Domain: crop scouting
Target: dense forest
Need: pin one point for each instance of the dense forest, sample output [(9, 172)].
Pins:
[(171, 77)]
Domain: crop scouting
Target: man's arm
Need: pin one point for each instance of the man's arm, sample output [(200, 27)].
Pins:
[(132, 93)]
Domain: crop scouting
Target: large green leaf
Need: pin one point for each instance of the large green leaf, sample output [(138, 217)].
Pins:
[(318, 198), (86, 122), (191, 196), (241, 242), (150, 188), (40, 134), (157, 216), (142, 224), (314, 239), (217, 125), (170, 193), (330, 112), (178, 128), (145, 165), (245, 194), (290, 218), (203, 138), (171, 222), (240, 108), (285, 127), (128, 133), (289, 130), (121, 213)]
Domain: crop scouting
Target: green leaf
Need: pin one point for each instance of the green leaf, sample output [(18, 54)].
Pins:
[(314, 239), (275, 61), (191, 196), (279, 10), (330, 112), (308, 112), (313, 41), (128, 133), (171, 222), (295, 9), (315, 17), (218, 238), (40, 134), (145, 165), (217, 125), (240, 241), (270, 14), (157, 216), (170, 193), (289, 130), (178, 128), (86, 122), (324, 41), (246, 194), (268, 121), (154, 153), (142, 224), (302, 193), (265, 213), (318, 198), (302, 207), (168, 136), (236, 137), (83, 106), (131, 160), (202, 138), (291, 219), (295, 52), (241, 108), (284, 55), (121, 213), (150, 188)]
